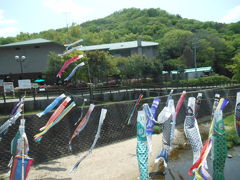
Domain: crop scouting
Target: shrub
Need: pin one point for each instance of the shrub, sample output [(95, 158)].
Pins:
[(208, 80)]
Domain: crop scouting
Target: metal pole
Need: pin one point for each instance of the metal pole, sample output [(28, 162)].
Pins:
[(195, 55), (195, 59), (21, 66)]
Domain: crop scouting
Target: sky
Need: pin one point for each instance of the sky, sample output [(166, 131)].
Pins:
[(38, 15)]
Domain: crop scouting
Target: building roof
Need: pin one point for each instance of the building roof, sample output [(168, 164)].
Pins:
[(201, 69), (28, 42), (116, 46)]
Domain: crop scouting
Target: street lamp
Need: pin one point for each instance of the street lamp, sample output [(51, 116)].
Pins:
[(20, 59)]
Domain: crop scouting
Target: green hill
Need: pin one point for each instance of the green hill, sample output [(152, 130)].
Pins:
[(217, 44)]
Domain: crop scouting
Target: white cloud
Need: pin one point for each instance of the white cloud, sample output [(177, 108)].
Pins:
[(72, 10), (233, 15), (4, 21), (8, 31)]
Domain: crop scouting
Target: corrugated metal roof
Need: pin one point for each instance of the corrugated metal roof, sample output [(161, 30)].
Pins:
[(199, 69), (32, 41), (205, 69), (116, 46)]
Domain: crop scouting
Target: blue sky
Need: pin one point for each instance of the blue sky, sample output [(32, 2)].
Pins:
[(37, 15)]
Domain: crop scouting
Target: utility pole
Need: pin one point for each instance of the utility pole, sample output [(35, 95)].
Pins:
[(195, 42)]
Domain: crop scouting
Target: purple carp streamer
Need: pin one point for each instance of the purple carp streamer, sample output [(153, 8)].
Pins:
[(18, 107), (97, 136), (14, 115), (52, 105), (191, 129), (237, 114), (151, 122)]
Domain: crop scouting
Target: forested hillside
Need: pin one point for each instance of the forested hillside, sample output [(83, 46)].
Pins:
[(217, 44)]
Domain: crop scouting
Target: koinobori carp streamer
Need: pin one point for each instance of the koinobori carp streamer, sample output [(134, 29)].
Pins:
[(57, 112), (82, 124), (52, 105), (74, 71), (97, 136), (142, 147), (67, 63)]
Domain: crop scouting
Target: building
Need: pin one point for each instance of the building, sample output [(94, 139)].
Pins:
[(147, 48), (36, 58), (191, 73)]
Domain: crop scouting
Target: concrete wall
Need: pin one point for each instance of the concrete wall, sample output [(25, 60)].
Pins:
[(192, 75), (36, 57), (31, 105), (149, 52)]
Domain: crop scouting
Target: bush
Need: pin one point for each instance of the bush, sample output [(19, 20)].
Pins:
[(157, 129), (202, 81)]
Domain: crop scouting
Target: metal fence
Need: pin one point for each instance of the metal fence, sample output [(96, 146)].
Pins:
[(96, 92), (55, 143)]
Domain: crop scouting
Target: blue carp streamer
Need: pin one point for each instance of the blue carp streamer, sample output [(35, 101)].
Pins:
[(52, 105), (74, 71)]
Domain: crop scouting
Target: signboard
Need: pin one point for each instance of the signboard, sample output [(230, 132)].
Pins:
[(8, 87), (24, 84), (1, 82), (34, 85)]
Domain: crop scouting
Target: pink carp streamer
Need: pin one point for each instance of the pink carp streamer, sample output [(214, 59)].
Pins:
[(67, 63), (82, 124), (180, 102), (57, 112)]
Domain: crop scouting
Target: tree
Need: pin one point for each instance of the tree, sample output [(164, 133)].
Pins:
[(174, 42), (235, 67)]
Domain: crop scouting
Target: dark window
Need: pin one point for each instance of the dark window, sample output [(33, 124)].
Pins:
[(18, 48), (37, 46)]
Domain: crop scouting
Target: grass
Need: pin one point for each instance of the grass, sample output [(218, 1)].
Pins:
[(231, 134)]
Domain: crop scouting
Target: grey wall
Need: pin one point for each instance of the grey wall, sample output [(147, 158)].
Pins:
[(36, 58), (149, 52)]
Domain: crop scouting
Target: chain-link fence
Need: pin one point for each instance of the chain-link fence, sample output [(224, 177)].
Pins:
[(55, 143)]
